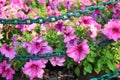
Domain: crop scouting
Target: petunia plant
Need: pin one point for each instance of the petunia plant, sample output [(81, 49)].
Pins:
[(84, 39)]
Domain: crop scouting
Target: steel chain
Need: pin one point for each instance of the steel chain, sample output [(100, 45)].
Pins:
[(35, 57), (76, 13), (108, 76)]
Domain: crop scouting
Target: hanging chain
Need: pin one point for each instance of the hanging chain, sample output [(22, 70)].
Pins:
[(108, 76), (41, 20), (35, 57)]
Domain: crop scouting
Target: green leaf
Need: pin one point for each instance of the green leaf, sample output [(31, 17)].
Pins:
[(112, 66), (84, 72), (77, 71), (88, 68), (93, 54), (100, 63), (90, 58), (109, 56)]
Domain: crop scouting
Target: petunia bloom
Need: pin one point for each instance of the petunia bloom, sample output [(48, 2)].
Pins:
[(42, 1), (72, 42), (112, 29), (59, 26), (17, 3), (7, 51), (116, 14), (86, 21), (2, 3), (23, 27), (69, 3), (94, 28), (86, 2), (34, 69), (6, 71), (69, 34), (15, 43), (32, 48), (57, 61), (37, 47), (78, 52)]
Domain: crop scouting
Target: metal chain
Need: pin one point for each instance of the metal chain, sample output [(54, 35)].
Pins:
[(35, 57), (108, 76), (41, 20), (50, 55)]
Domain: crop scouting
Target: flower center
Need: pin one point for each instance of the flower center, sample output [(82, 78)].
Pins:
[(115, 30), (86, 21), (7, 48), (3, 68), (1, 2), (34, 66), (67, 33), (37, 44), (80, 48)]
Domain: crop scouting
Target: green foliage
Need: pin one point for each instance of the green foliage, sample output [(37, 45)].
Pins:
[(81, 32), (77, 71), (16, 63), (87, 67), (27, 36), (99, 59), (69, 63), (55, 40), (33, 4)]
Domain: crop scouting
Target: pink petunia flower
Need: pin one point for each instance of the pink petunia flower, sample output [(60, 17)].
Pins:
[(23, 27), (42, 1), (57, 61), (6, 71), (15, 43), (17, 3), (51, 12), (7, 51), (94, 28), (34, 69), (37, 46), (86, 2), (69, 3), (54, 4), (69, 34), (116, 14), (32, 48), (116, 10), (86, 21), (78, 52), (2, 3), (45, 49), (112, 29), (59, 26), (72, 42), (95, 14)]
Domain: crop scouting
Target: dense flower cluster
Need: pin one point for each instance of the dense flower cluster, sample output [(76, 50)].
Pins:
[(35, 39)]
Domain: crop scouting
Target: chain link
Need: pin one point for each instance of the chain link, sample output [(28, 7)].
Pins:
[(108, 76), (76, 13)]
